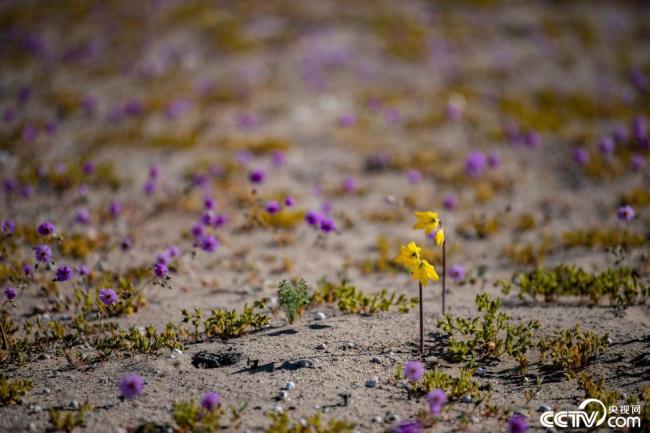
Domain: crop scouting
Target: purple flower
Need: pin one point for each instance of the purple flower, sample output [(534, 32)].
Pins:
[(198, 230), (272, 206), (350, 184), (475, 163), (10, 293), (63, 273), (313, 218), (173, 251), (154, 171), (347, 120), (454, 111), (9, 185), (639, 128), (131, 385), (88, 167), (28, 270), (278, 158), (108, 296), (219, 220), (209, 243), (414, 176), (410, 426), (517, 424), (580, 156), (30, 133), (619, 134), (83, 270), (450, 202), (160, 270), (177, 108), (9, 114), (149, 187), (436, 398), (43, 253), (8, 227), (115, 208), (244, 157), (639, 79), (457, 272), (606, 146), (126, 244), (637, 162), (414, 370), (210, 400), (82, 216), (289, 201), (208, 203), (46, 228), (532, 139), (256, 176), (133, 107), (494, 159), (327, 225), (625, 213)]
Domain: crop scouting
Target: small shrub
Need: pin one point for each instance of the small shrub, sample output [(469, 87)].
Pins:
[(68, 420), (293, 299), (572, 349), (351, 300), (281, 423), (12, 391), (189, 416)]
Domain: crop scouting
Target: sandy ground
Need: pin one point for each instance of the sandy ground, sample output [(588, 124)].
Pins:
[(481, 52)]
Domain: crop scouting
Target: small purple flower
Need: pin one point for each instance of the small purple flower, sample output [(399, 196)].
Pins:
[(149, 187), (198, 230), (639, 128), (454, 111), (9, 114), (450, 202), (494, 159), (327, 225), (619, 134), (63, 273), (347, 120), (82, 216), (289, 201), (154, 171), (46, 228), (457, 272), (177, 108), (414, 370), (244, 157), (108, 296), (606, 146), (83, 270), (28, 270), (625, 213), (639, 79), (475, 163), (436, 398), (256, 176), (581, 156), (414, 176), (126, 244), (88, 167), (272, 207), (160, 270), (10, 293), (350, 184), (133, 107), (115, 208), (517, 424), (278, 158), (209, 243), (532, 139), (210, 400), (313, 218), (637, 162), (43, 253), (131, 385), (219, 220), (30, 133), (208, 203), (410, 426), (8, 227), (26, 191), (9, 185)]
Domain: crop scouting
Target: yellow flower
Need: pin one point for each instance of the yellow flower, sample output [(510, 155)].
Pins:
[(428, 221), (440, 237), (409, 255), (423, 272)]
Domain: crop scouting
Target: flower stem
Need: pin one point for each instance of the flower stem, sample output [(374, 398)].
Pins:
[(421, 321), (444, 274)]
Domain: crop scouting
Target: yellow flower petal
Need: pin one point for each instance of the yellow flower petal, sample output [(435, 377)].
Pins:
[(409, 255), (428, 221), (423, 272), (440, 237)]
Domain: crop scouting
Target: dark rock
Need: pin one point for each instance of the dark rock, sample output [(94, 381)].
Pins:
[(205, 359)]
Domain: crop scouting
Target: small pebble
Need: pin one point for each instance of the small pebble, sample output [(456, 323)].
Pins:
[(372, 382), (393, 417), (377, 419), (320, 347), (283, 395), (467, 399), (37, 409), (544, 408), (74, 404), (376, 360), (319, 316), (290, 385), (177, 351), (32, 426), (278, 408), (349, 345), (305, 363), (481, 371), (474, 419)]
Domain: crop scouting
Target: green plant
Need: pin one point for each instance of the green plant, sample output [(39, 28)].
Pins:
[(351, 300), (226, 323), (596, 389), (281, 423), (491, 334), (620, 286), (293, 299), (191, 417), (455, 387), (572, 349), (68, 420), (12, 391)]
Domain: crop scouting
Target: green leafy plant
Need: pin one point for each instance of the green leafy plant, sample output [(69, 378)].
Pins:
[(620, 286), (351, 300), (68, 420), (594, 388), (226, 324), (491, 334), (572, 349), (192, 417), (12, 391), (455, 387), (281, 423), (293, 298)]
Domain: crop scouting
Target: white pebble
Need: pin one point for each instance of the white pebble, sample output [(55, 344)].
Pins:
[(290, 385), (319, 316), (177, 351), (372, 382)]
